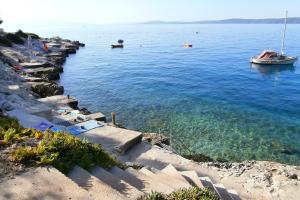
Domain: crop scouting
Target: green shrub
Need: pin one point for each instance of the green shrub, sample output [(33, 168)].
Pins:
[(64, 151), (193, 193), (21, 34), (5, 42), (14, 38), (153, 196), (61, 150), (33, 35)]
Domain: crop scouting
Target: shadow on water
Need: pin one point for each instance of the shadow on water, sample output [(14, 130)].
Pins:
[(272, 69)]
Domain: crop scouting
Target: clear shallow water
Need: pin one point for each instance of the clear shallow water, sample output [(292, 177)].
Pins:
[(208, 99)]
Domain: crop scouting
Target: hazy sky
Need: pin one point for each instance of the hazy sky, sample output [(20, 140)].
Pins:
[(127, 11)]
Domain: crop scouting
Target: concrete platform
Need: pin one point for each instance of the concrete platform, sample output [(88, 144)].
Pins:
[(41, 183), (60, 100), (112, 138), (39, 70), (32, 79), (36, 65), (69, 120)]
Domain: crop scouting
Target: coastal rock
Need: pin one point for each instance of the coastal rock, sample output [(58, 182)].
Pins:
[(293, 176), (49, 73), (45, 89)]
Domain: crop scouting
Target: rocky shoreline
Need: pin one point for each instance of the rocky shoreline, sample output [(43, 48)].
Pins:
[(27, 75)]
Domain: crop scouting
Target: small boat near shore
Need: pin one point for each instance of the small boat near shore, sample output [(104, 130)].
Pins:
[(113, 46), (118, 45), (270, 57)]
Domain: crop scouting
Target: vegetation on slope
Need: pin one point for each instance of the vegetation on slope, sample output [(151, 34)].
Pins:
[(14, 38), (5, 42), (194, 193), (20, 33), (17, 38), (60, 150)]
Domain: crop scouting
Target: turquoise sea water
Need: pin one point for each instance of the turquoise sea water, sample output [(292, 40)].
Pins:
[(208, 99)]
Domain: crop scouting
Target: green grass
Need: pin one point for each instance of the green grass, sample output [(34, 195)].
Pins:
[(60, 150), (193, 193)]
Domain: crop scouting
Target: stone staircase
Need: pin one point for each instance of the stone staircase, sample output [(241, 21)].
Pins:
[(101, 184)]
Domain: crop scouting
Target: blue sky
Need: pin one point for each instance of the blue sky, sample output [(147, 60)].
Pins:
[(128, 11)]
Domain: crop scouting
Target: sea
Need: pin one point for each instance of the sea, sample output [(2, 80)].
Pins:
[(207, 99)]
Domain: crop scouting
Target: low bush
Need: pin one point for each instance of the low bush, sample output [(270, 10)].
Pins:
[(20, 33), (14, 38), (60, 150), (193, 193), (5, 42), (154, 196)]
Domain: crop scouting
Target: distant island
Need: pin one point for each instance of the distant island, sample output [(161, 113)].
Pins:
[(291, 20)]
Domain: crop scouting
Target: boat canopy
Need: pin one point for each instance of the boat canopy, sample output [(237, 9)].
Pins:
[(268, 54)]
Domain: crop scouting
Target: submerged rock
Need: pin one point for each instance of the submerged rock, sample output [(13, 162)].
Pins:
[(156, 139)]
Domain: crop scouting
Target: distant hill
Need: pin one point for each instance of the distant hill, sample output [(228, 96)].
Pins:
[(291, 20)]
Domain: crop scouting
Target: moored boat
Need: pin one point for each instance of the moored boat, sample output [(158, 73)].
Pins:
[(273, 58), (117, 46), (270, 57)]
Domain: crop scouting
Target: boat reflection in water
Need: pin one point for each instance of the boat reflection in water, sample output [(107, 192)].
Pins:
[(272, 69)]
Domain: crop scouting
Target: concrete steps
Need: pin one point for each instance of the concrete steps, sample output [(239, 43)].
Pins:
[(222, 192), (206, 181), (166, 179), (234, 195), (192, 178), (42, 183), (96, 188), (118, 184), (141, 181), (172, 171)]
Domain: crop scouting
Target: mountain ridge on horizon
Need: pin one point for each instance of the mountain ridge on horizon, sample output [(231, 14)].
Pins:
[(291, 20)]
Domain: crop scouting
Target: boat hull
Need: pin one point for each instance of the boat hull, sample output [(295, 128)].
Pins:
[(287, 61), (113, 46)]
